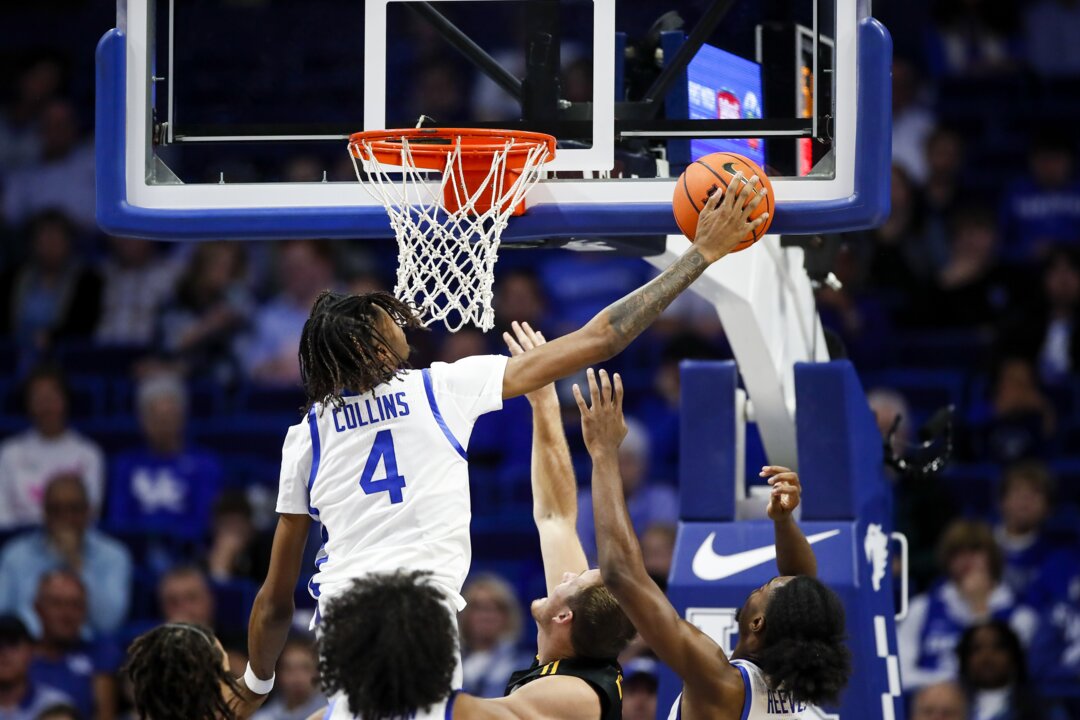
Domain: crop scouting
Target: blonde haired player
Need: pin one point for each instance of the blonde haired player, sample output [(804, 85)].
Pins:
[(381, 461)]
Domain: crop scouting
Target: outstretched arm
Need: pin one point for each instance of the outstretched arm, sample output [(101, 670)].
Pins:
[(553, 484), (794, 556), (723, 224), (272, 613), (687, 650)]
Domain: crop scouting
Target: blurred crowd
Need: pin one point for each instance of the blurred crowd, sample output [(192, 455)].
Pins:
[(145, 389)]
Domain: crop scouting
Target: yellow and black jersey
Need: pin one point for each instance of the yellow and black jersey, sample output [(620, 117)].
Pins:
[(603, 676)]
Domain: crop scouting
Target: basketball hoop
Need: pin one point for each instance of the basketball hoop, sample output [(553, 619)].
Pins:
[(448, 235)]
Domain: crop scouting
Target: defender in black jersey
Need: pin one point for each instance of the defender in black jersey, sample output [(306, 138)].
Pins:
[(389, 646)]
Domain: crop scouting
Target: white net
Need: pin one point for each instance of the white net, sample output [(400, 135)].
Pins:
[(446, 259)]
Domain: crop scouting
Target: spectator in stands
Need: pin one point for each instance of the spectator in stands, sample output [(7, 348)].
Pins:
[(235, 548), (305, 269), (639, 686), (84, 670), (973, 38), (1022, 419), (464, 343), (972, 289), (659, 409), (579, 285), (60, 712), (1050, 30), (36, 85), (970, 592), (296, 691), (33, 458), (945, 151), (490, 633), (856, 314), (1055, 651), (137, 283), (921, 512), (1048, 335), (63, 176), (185, 596), (166, 488), (52, 296), (1043, 208), (943, 701), (912, 120), (198, 329), (1025, 499), (658, 551), (519, 294), (993, 672), (648, 503), (69, 542), (20, 697), (900, 261)]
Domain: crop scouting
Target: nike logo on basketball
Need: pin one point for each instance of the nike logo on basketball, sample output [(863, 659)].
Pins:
[(708, 565), (729, 167)]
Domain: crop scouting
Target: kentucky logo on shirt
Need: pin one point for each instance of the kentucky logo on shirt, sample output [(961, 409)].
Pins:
[(158, 489)]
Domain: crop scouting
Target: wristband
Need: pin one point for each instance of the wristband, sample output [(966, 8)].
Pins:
[(255, 685)]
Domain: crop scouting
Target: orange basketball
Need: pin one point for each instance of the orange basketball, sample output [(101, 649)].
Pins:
[(711, 173)]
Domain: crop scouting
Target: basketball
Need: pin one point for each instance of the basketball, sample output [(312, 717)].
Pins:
[(711, 173)]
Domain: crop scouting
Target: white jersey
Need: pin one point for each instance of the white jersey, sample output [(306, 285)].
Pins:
[(387, 475), (338, 709), (761, 701)]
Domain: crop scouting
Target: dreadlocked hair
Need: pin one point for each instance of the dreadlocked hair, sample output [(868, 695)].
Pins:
[(342, 347), (389, 644), (176, 672), (805, 654)]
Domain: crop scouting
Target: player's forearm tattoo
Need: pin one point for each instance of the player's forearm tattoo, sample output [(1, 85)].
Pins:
[(630, 316)]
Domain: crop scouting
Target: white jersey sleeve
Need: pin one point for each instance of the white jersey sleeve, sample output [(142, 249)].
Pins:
[(467, 389), (296, 465)]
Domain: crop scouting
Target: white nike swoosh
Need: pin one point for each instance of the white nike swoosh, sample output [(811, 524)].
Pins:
[(708, 565)]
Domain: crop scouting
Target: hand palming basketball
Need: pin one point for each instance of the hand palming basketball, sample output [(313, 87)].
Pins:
[(718, 177)]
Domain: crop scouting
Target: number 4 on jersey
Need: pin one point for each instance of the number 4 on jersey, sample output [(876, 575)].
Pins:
[(383, 449)]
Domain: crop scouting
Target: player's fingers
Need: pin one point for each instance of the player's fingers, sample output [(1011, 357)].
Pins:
[(511, 343), (618, 392), (758, 221), (748, 190), (594, 391), (714, 200), (605, 388), (738, 180), (758, 198), (522, 337), (785, 477), (769, 470), (536, 338), (580, 400)]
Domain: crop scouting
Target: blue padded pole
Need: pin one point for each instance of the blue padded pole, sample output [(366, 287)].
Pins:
[(707, 448)]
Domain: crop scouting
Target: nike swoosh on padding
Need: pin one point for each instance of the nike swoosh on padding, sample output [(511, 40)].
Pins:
[(708, 565)]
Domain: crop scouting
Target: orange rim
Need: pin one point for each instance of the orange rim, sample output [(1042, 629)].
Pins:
[(430, 146)]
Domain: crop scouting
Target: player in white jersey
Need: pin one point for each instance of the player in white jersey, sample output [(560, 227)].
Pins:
[(381, 458), (791, 651)]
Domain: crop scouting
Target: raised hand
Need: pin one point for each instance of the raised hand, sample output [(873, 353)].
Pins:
[(602, 425), (786, 491), (725, 221), (523, 340)]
